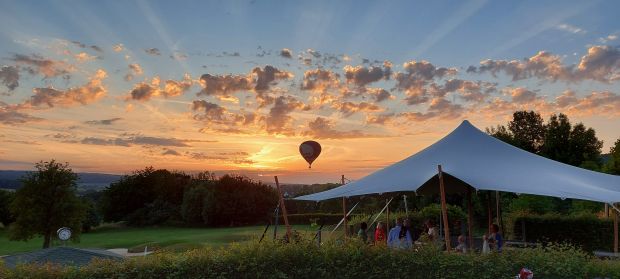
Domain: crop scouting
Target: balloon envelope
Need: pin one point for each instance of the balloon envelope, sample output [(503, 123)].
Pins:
[(310, 150)]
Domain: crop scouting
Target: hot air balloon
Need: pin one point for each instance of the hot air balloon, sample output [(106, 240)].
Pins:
[(310, 150)]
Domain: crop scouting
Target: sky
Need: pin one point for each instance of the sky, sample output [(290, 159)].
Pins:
[(236, 86)]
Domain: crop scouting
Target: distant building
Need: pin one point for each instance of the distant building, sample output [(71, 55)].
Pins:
[(60, 255)]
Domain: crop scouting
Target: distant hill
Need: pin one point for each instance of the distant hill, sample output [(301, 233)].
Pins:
[(9, 179)]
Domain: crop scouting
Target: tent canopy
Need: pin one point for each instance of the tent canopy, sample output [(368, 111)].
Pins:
[(471, 158)]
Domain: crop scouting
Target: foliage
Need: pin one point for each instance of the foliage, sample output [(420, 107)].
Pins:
[(558, 139), (92, 218), (353, 260), (613, 165), (532, 203), (586, 231), (6, 197), (46, 202), (146, 197)]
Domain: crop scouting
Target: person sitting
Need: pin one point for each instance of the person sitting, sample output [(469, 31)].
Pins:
[(496, 241), (380, 233), (431, 230), (399, 236), (461, 247), (362, 234)]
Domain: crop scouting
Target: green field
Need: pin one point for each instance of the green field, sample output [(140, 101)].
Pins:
[(169, 238)]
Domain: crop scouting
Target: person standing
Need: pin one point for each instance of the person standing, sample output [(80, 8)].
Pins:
[(380, 233), (362, 234)]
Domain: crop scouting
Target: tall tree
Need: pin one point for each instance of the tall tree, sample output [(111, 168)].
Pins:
[(6, 197), (528, 130), (556, 145), (585, 148), (46, 202), (613, 165)]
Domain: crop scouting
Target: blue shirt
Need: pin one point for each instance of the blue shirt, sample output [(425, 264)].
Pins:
[(395, 242)]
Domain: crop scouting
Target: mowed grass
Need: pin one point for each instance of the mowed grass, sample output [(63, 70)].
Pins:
[(169, 238)]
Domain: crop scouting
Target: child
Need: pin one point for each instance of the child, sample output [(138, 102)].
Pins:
[(462, 247), (380, 234)]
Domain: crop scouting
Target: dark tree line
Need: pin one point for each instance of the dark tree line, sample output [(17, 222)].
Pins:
[(155, 197)]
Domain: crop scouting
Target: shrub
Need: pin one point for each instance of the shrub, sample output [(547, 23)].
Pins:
[(352, 260), (585, 230)]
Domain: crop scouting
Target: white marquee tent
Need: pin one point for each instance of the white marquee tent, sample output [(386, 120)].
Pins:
[(470, 157)]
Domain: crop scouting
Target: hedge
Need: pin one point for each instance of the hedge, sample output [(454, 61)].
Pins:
[(314, 218), (353, 260), (586, 231)]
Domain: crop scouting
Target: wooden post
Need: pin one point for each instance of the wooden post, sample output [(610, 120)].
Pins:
[(615, 232), (489, 213), (498, 212), (387, 224), (344, 212), (444, 209), (607, 210), (288, 227), (470, 219)]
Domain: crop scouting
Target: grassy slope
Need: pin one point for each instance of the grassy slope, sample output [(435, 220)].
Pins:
[(176, 239)]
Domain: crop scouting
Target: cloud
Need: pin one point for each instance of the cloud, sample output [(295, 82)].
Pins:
[(609, 38), (84, 57), (144, 91), (567, 98), (379, 94), (286, 53), (86, 94), (322, 128), (259, 80), (601, 63), (211, 112), (321, 82), (135, 140), (380, 119), (349, 108), (134, 70), (82, 45), (415, 78), (35, 64), (152, 51), (596, 103), (103, 121), (361, 76), (118, 48), (278, 120), (570, 28), (439, 108), (170, 152), (9, 115), (9, 76), (521, 95)]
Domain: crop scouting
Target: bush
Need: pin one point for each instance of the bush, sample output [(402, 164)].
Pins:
[(585, 230), (456, 217), (353, 260), (315, 218)]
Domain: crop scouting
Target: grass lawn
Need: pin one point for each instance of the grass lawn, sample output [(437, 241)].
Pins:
[(170, 238)]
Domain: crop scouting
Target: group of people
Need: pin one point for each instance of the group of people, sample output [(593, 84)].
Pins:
[(404, 235)]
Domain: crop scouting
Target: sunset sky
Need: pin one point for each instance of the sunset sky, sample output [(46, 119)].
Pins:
[(115, 86)]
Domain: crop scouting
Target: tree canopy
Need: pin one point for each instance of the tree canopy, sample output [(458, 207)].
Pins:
[(46, 202)]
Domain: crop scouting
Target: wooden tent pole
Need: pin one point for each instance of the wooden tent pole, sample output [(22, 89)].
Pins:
[(344, 213), (489, 213), (615, 232), (387, 224), (470, 219), (288, 227), (606, 210), (498, 212), (444, 209)]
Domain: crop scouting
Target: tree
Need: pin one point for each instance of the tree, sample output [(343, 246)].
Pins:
[(585, 148), (6, 197), (46, 202), (557, 136), (528, 130), (613, 165)]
